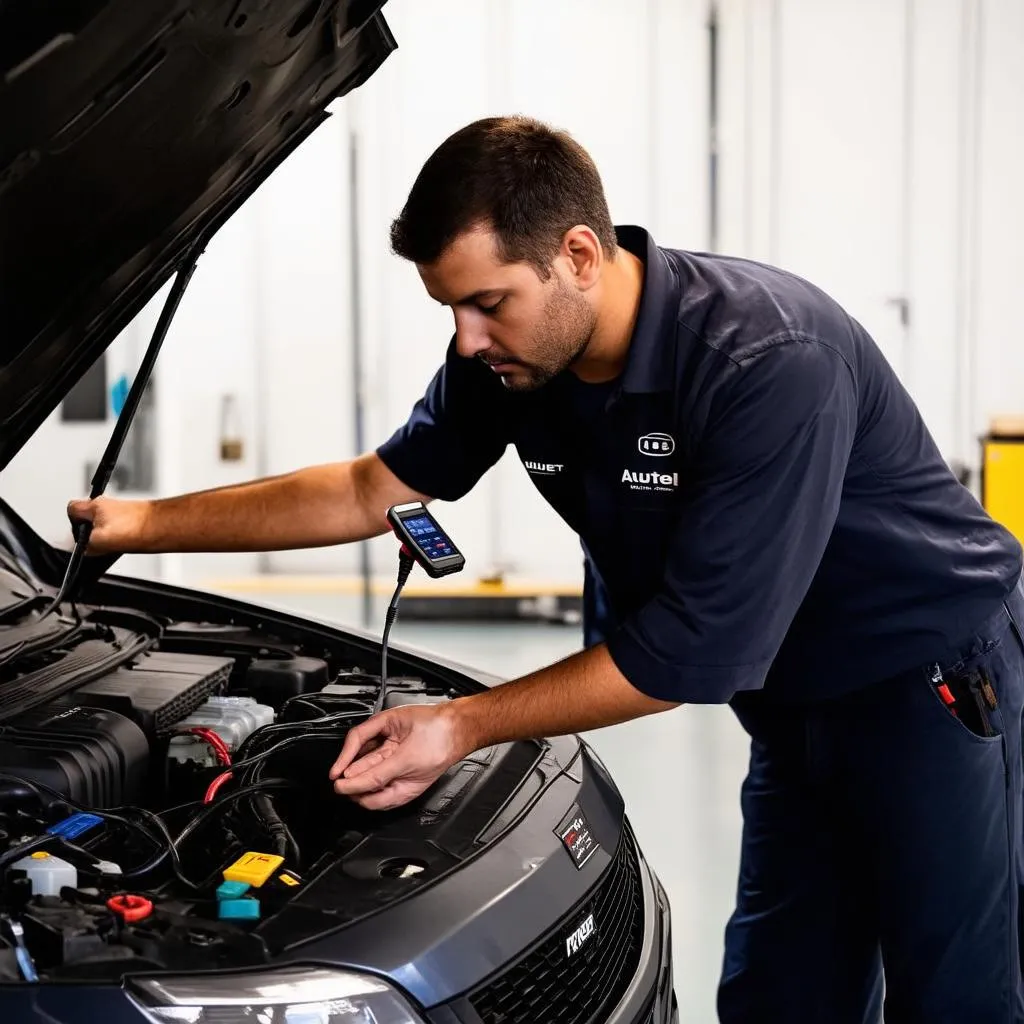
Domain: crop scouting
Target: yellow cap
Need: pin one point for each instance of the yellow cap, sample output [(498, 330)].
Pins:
[(288, 879), (254, 868), (41, 855)]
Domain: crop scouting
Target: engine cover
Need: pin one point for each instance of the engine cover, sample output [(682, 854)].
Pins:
[(94, 745), (94, 756)]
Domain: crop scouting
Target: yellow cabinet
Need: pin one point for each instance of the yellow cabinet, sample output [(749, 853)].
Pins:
[(1002, 482)]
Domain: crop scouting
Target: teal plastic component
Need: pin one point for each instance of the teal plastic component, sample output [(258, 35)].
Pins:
[(232, 890), (239, 910)]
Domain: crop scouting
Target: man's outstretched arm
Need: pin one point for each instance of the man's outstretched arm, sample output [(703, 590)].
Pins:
[(396, 755)]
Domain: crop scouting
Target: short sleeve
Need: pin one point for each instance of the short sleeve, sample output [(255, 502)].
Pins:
[(765, 498), (455, 432)]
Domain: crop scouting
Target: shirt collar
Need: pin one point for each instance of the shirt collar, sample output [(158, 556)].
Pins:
[(650, 363)]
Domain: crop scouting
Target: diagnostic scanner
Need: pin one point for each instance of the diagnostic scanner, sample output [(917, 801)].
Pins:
[(423, 539)]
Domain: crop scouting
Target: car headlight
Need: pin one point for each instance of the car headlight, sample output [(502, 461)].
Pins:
[(288, 995)]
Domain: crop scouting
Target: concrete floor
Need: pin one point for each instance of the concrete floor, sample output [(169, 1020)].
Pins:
[(679, 773)]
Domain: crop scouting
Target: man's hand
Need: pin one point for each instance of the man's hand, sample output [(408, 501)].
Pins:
[(117, 526), (396, 755)]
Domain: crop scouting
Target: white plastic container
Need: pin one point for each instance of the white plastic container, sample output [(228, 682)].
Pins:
[(233, 719), (47, 873)]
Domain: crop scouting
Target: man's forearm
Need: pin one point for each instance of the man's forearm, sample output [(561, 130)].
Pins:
[(585, 691), (312, 507)]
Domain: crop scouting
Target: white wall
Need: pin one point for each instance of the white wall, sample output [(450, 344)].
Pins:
[(57, 463), (997, 328), (874, 147)]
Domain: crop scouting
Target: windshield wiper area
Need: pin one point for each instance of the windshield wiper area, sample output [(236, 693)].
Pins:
[(82, 530)]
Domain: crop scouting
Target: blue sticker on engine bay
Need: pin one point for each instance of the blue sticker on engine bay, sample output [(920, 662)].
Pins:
[(76, 825)]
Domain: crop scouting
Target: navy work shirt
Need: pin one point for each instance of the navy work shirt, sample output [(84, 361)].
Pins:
[(757, 492)]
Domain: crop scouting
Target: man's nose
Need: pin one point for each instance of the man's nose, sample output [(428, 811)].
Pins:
[(471, 336)]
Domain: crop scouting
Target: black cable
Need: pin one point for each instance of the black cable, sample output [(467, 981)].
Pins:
[(253, 740), (154, 862), (263, 754), (405, 564), (262, 806), (149, 866), (284, 842), (314, 724), (179, 807), (248, 769), (33, 787), (38, 788), (162, 839), (208, 811), (167, 849), (360, 706), (305, 702), (215, 808), (48, 839), (25, 848)]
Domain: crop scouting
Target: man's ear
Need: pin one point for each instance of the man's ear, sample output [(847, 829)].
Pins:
[(582, 250)]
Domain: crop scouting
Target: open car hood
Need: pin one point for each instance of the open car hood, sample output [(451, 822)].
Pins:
[(129, 132)]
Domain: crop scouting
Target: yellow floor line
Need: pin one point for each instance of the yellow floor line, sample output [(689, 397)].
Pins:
[(287, 584)]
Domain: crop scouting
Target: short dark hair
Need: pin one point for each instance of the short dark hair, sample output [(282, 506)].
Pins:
[(528, 182)]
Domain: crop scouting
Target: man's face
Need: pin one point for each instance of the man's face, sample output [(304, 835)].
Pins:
[(527, 330)]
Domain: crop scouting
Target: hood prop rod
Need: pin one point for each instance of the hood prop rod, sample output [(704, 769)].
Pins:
[(82, 530)]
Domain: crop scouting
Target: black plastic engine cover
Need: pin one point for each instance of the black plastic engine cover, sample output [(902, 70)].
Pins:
[(94, 756)]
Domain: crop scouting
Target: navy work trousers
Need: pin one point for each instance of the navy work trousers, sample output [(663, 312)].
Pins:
[(882, 853)]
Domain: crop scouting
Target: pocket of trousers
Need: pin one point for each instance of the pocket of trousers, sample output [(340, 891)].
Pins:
[(968, 702)]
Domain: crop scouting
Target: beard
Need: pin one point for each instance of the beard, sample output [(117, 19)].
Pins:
[(562, 335)]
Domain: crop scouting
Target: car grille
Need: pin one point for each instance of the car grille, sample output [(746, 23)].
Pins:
[(548, 986)]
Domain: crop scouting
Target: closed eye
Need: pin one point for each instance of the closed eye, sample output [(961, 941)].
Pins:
[(491, 310)]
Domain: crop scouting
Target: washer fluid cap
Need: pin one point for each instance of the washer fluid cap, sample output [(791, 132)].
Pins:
[(48, 874)]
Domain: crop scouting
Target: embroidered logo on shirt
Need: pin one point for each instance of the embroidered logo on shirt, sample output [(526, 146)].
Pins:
[(656, 444), (650, 481), (543, 468)]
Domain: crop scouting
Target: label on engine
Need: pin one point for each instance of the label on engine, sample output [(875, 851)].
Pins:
[(76, 825), (574, 831)]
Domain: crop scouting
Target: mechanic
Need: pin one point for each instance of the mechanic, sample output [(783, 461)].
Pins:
[(767, 523)]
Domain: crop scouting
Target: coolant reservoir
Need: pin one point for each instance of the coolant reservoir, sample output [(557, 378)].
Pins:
[(231, 718), (47, 873)]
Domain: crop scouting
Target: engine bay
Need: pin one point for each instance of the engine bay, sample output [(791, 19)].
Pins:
[(164, 798)]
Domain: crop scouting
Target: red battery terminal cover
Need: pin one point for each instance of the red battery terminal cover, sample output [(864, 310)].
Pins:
[(946, 694), (131, 908)]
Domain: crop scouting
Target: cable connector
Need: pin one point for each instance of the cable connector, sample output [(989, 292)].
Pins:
[(405, 564)]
